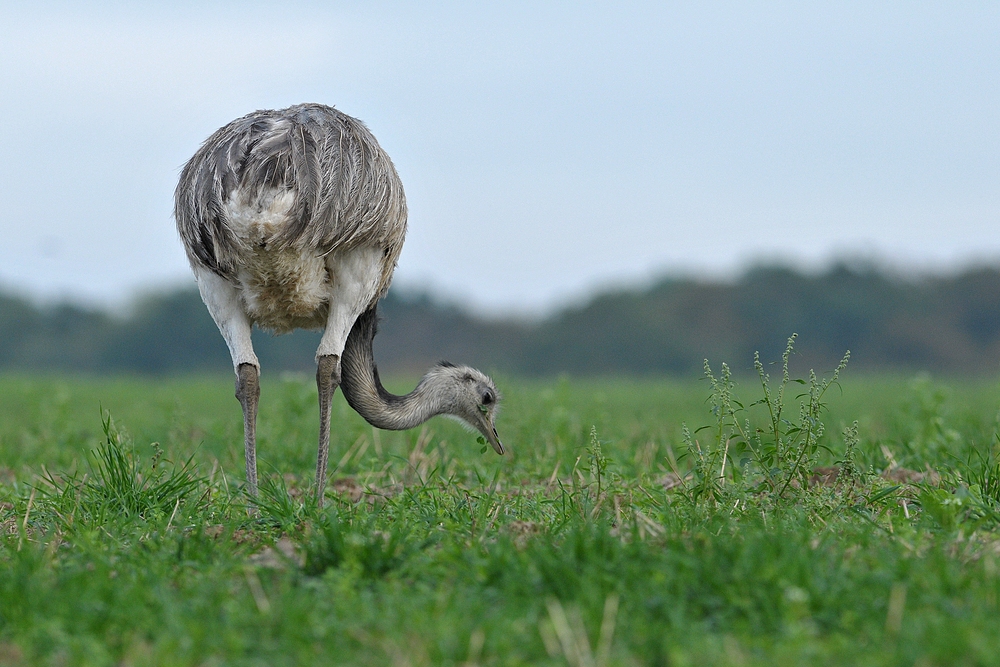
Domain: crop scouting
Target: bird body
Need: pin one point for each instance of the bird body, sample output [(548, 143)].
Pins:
[(274, 199), (295, 218)]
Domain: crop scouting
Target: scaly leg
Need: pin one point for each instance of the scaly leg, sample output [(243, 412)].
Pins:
[(354, 283), (248, 394), (224, 304), (327, 381)]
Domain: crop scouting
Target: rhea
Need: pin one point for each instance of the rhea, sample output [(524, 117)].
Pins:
[(295, 218)]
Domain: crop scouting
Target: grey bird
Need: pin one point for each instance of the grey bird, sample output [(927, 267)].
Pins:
[(295, 218)]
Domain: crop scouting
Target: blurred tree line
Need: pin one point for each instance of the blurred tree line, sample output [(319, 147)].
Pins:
[(944, 324)]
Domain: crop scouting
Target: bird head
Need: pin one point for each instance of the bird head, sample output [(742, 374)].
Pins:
[(473, 399)]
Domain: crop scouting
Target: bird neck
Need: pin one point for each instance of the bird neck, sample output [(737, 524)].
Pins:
[(364, 391)]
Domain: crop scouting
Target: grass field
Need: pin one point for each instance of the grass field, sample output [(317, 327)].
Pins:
[(614, 533)]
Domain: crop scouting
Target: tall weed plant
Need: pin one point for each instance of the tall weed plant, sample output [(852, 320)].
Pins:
[(773, 454)]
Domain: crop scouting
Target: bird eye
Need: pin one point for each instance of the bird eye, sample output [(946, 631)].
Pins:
[(488, 398)]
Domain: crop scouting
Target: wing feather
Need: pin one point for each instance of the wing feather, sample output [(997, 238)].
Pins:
[(346, 189)]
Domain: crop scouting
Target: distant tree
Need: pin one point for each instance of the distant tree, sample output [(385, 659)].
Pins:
[(948, 324)]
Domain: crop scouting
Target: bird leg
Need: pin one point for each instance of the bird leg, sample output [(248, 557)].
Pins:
[(327, 381), (248, 394)]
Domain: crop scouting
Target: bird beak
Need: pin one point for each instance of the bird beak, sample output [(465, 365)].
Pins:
[(491, 436)]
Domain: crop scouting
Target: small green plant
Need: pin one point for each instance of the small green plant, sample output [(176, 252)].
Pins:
[(850, 471), (367, 547), (119, 487), (986, 473), (969, 496), (784, 450), (705, 481), (324, 548), (277, 505), (598, 462)]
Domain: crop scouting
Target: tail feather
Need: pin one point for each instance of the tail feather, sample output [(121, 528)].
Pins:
[(346, 190)]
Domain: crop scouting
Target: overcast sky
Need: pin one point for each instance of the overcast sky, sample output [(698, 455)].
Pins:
[(546, 149)]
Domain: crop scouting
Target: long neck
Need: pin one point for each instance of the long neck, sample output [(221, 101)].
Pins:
[(364, 391)]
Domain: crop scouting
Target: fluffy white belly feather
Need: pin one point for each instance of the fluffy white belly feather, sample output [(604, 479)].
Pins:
[(285, 289), (281, 288)]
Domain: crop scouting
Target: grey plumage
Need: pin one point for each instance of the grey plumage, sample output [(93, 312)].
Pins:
[(295, 218), (346, 189)]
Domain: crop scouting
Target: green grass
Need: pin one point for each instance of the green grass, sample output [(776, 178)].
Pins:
[(126, 539)]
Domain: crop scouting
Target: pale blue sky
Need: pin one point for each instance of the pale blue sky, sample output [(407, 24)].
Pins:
[(546, 149)]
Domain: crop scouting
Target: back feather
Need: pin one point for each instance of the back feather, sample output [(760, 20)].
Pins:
[(346, 190)]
